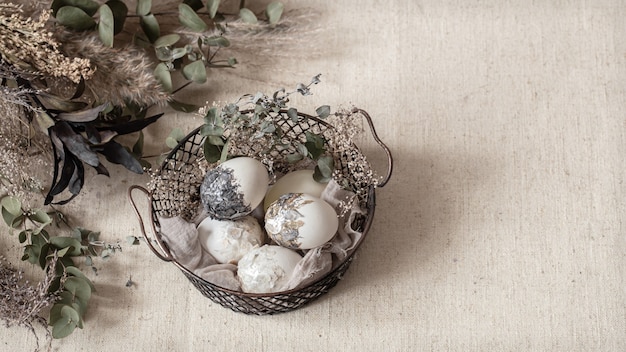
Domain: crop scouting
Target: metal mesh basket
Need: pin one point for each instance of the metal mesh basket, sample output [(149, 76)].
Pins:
[(182, 159)]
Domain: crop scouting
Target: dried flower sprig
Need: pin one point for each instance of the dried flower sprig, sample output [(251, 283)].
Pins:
[(28, 46), (22, 303)]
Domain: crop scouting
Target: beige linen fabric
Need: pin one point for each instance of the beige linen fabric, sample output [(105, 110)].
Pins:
[(502, 228)]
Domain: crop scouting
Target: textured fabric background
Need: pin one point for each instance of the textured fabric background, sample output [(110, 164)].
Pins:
[(502, 228)]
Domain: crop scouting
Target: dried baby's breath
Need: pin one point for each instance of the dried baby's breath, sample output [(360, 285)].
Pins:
[(21, 302), (26, 44)]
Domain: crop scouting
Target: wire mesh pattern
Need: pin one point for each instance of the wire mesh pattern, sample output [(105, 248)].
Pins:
[(181, 167)]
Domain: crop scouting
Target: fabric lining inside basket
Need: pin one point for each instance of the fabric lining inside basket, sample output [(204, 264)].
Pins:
[(181, 236)]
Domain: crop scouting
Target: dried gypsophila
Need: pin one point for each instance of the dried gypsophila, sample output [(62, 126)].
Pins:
[(21, 303), (27, 45)]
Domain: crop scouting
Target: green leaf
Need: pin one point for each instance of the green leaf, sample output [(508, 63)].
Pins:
[(132, 240), (78, 287), (212, 6), (144, 7), (219, 41), (89, 6), (323, 111), (12, 205), (292, 158), (120, 10), (41, 217), (274, 11), (248, 16), (195, 72), (150, 27), (324, 169), (163, 75), (61, 242), (75, 18), (293, 115), (212, 153), (22, 236), (106, 25), (66, 324), (167, 40), (74, 271), (176, 135), (190, 19)]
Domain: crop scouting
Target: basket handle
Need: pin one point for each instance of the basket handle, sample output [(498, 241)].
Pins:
[(383, 145), (164, 253)]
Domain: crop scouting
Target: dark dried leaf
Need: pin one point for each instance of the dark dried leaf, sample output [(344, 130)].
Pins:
[(117, 154), (75, 143), (132, 126)]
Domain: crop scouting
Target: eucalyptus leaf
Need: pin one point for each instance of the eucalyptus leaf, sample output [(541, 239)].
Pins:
[(323, 111), (177, 53), (190, 19), (66, 324), (41, 217), (274, 11), (8, 218), (90, 7), (212, 6), (74, 271), (293, 115), (294, 157), (75, 18), (150, 27), (167, 40), (12, 205), (212, 153), (248, 16), (324, 169), (219, 41), (60, 242), (106, 25), (163, 75), (195, 72), (120, 11), (143, 7), (79, 287)]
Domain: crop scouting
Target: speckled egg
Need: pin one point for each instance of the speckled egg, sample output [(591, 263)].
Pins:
[(267, 269), (229, 240), (300, 221), (299, 181), (234, 188)]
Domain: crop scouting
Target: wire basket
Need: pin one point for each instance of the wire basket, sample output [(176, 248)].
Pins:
[(184, 156)]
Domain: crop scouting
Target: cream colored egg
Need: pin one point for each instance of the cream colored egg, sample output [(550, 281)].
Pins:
[(234, 188), (229, 240), (300, 181), (267, 269), (300, 221)]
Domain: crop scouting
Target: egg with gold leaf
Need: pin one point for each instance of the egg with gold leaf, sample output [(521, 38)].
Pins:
[(300, 221)]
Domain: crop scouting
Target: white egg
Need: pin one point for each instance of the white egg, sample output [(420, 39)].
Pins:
[(267, 269), (300, 181), (234, 188), (300, 221), (229, 240)]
